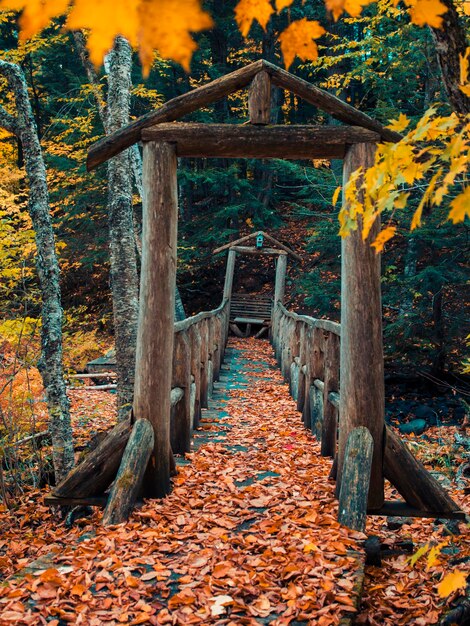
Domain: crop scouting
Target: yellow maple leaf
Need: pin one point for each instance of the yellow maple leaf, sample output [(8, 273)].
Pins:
[(353, 7), (36, 14), (418, 554), (426, 12), (399, 124), (452, 582), (336, 195), (460, 206), (282, 4), (247, 11), (105, 19), (165, 25), (383, 237), (297, 40)]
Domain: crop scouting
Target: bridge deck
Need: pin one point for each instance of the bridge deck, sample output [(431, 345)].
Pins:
[(248, 535)]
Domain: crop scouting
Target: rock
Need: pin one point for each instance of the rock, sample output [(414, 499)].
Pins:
[(416, 427), (425, 413)]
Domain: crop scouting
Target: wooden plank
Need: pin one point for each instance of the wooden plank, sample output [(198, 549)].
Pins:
[(356, 477), (278, 244), (411, 479), (362, 398), (398, 508), (280, 141), (249, 320), (123, 138), (259, 99), (156, 309), (235, 242), (327, 102), (129, 478), (99, 501)]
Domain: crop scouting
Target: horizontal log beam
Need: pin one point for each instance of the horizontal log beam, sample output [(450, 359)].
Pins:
[(123, 138), (234, 140), (255, 250), (327, 102)]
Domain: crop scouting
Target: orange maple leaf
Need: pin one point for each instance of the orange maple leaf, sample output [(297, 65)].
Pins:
[(247, 11), (426, 12), (383, 237), (353, 7), (297, 40), (36, 14)]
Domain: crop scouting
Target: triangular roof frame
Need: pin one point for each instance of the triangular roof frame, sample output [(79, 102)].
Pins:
[(254, 234), (202, 96)]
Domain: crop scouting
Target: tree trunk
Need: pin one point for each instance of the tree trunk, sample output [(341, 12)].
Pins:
[(135, 160), (124, 278), (451, 44), (50, 364)]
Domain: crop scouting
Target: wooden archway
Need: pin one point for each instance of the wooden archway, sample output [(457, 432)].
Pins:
[(362, 386)]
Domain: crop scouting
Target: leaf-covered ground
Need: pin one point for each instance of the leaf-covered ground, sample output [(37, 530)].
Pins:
[(248, 535)]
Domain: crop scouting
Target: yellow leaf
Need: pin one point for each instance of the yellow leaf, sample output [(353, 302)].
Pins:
[(297, 40), (353, 7), (452, 582), (434, 554), (282, 4), (36, 14), (383, 237), (464, 63), (248, 10), (166, 26), (427, 12), (336, 195), (418, 554), (460, 206), (310, 547), (399, 124)]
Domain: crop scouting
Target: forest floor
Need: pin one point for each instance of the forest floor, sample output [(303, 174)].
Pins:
[(247, 536)]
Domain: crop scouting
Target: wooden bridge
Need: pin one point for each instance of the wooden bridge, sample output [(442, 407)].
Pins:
[(335, 372)]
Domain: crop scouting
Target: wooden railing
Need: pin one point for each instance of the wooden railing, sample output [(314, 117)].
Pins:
[(198, 352), (307, 350)]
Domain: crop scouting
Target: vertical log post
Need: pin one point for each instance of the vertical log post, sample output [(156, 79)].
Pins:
[(280, 280), (362, 400), (331, 383), (204, 364), (181, 414), (157, 308), (195, 337), (259, 99), (316, 370), (232, 255)]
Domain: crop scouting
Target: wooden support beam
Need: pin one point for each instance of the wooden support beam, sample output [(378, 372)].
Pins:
[(282, 142), (156, 310), (330, 383), (95, 473), (128, 482), (259, 99), (121, 139), (228, 285), (180, 427), (255, 250), (280, 280), (354, 490), (362, 397), (411, 479), (327, 102), (278, 244)]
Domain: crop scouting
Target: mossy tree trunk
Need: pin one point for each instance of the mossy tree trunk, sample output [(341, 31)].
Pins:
[(50, 364)]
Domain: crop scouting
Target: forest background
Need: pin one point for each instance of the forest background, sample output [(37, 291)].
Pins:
[(378, 61)]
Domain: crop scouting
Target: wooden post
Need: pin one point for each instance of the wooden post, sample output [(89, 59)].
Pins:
[(180, 429), (362, 400), (356, 476), (131, 474), (156, 308), (259, 99), (196, 370), (204, 398), (331, 383), (229, 274), (280, 281)]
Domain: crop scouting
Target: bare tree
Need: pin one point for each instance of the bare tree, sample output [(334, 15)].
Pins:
[(23, 126)]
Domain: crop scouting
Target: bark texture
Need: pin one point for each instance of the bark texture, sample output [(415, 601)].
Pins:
[(450, 45), (50, 365)]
